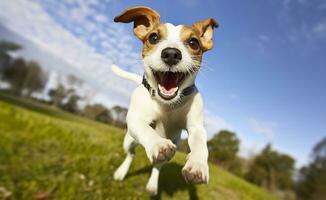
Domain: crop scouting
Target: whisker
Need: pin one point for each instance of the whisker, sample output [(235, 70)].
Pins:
[(204, 65)]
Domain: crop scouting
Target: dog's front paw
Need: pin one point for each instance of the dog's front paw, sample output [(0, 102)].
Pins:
[(119, 174), (195, 172), (161, 151), (151, 188)]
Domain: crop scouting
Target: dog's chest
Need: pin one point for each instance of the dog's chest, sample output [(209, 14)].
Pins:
[(170, 124), (175, 119)]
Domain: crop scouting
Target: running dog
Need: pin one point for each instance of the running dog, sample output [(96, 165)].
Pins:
[(166, 100)]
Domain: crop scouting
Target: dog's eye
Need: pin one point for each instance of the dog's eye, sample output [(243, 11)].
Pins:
[(153, 38), (194, 43)]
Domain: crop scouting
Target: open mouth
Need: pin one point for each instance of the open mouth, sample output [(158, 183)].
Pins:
[(168, 83)]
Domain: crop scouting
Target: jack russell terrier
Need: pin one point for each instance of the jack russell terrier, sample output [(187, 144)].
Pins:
[(166, 100)]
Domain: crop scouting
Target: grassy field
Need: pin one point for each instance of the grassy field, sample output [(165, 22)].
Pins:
[(49, 154)]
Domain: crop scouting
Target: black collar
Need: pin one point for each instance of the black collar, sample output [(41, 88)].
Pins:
[(185, 92)]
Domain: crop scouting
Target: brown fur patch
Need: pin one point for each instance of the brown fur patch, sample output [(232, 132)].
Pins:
[(162, 32), (205, 30), (144, 19), (185, 35)]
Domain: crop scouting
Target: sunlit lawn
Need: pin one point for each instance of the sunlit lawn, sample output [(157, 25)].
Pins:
[(50, 154)]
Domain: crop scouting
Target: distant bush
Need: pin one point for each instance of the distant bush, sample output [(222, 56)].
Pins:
[(272, 170), (312, 178), (223, 148), (24, 77)]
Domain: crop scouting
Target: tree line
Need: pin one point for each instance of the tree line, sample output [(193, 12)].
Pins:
[(25, 78), (270, 168)]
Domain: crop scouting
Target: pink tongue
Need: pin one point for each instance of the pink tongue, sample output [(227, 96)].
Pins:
[(169, 81), (169, 84)]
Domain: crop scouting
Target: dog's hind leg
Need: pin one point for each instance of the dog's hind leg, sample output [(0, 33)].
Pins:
[(152, 184), (129, 145)]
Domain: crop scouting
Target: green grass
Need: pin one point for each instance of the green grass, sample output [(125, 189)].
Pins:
[(43, 150)]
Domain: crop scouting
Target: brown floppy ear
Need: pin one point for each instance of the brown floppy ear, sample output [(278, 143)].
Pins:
[(144, 19), (205, 30)]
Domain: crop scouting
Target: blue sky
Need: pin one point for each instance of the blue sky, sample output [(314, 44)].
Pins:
[(264, 79)]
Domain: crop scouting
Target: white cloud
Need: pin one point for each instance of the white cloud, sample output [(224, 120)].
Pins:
[(314, 32), (250, 149), (302, 30), (320, 28), (263, 38), (256, 44), (66, 38), (264, 128), (215, 123), (4, 85), (322, 6)]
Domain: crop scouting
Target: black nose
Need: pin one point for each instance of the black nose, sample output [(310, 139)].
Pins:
[(171, 56)]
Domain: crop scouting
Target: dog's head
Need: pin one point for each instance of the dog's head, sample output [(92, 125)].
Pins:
[(171, 54)]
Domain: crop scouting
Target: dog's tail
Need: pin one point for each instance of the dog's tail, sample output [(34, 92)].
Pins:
[(126, 75)]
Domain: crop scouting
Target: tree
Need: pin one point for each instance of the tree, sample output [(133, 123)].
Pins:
[(6, 48), (119, 115), (15, 75), (35, 79), (312, 178), (72, 104), (59, 94), (104, 116), (98, 112), (66, 96), (272, 169), (73, 80), (223, 148), (24, 77), (319, 151)]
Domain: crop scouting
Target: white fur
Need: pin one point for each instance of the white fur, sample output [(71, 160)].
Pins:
[(160, 140), (152, 184), (126, 75)]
